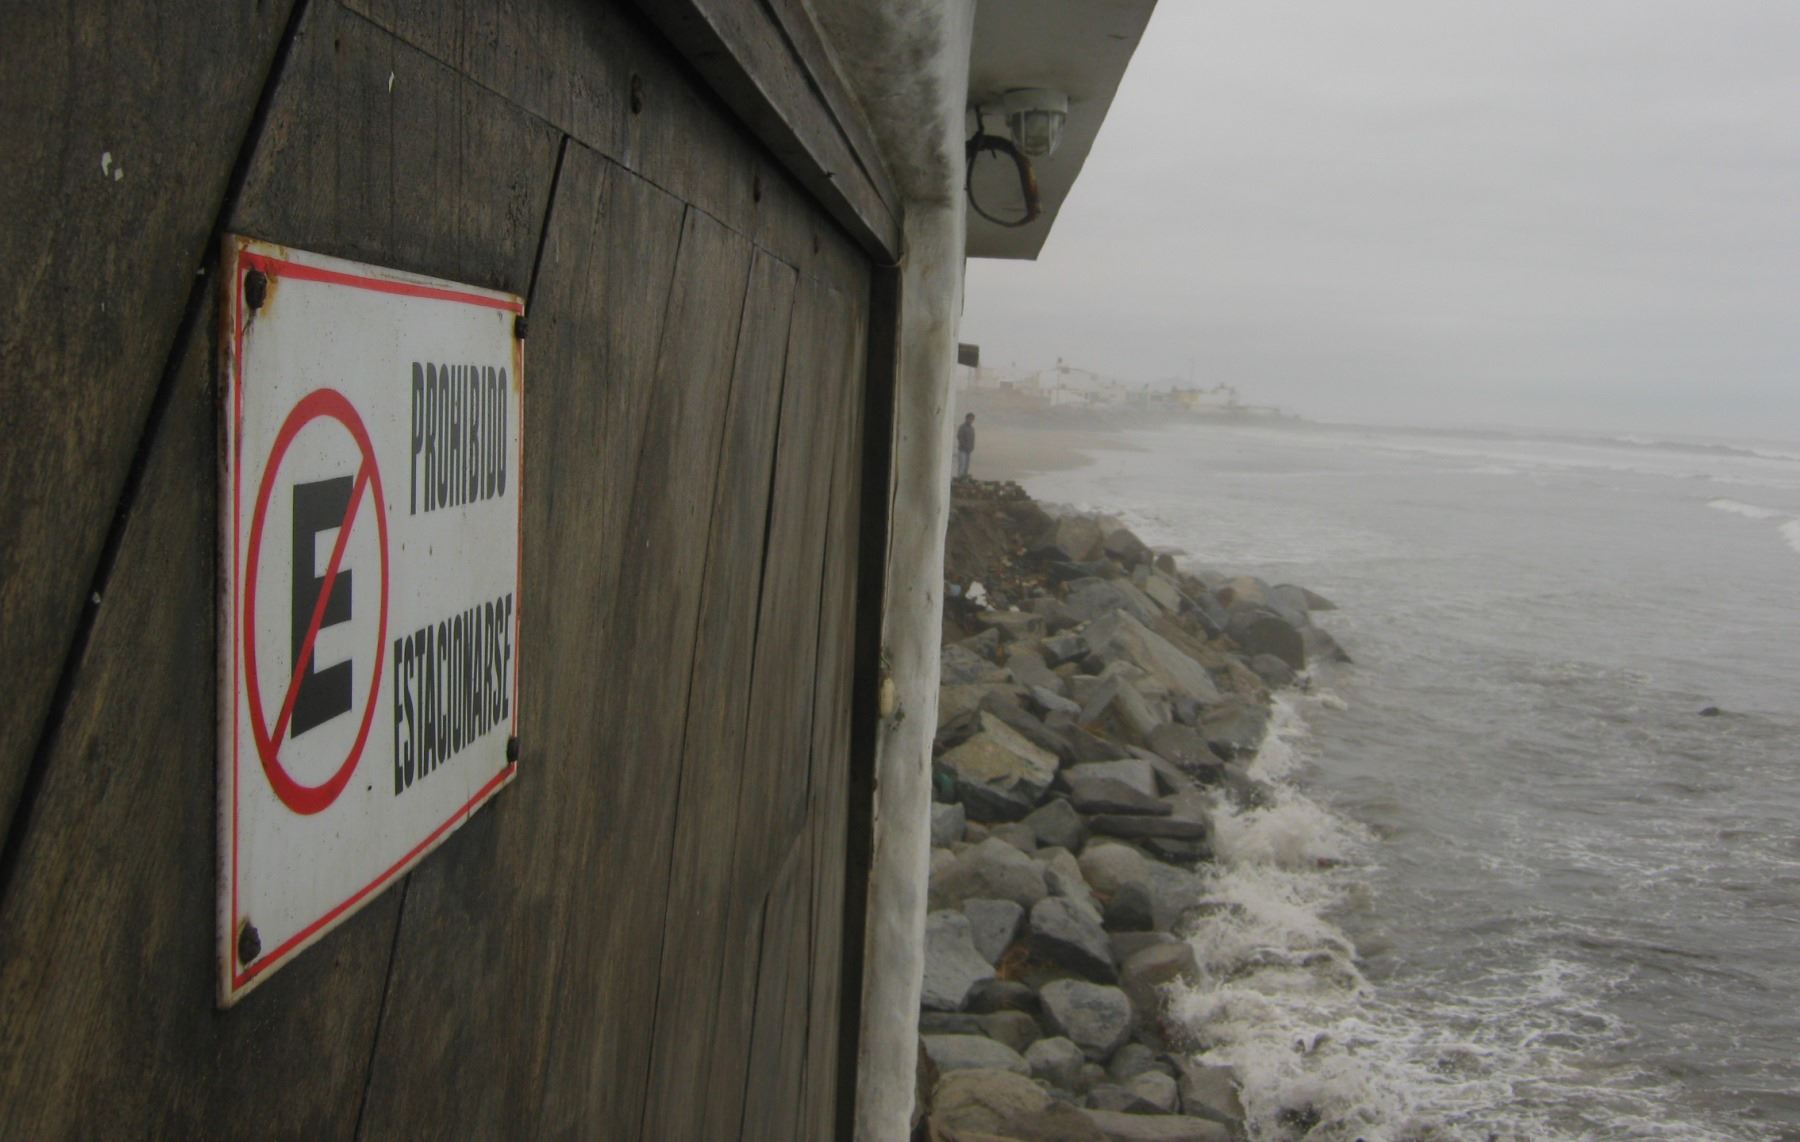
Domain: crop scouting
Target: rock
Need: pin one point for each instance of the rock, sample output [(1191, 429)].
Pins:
[(1290, 602), (1128, 944), (1089, 748), (1011, 626), (1001, 704), (1126, 547), (1057, 825), (1113, 1096), (992, 869), (1125, 636), (958, 665), (1186, 748), (1062, 648), (1273, 671), (1016, 1029), (985, 1101), (1156, 1089), (1093, 600), (1029, 670), (1152, 968), (1063, 877), (1087, 572), (1076, 538), (1164, 593), (1017, 834), (1058, 1122), (974, 833), (1234, 728), (992, 925), (1129, 1061), (1131, 909), (1317, 602), (1710, 712), (952, 965), (1064, 934), (985, 645), (1185, 853), (949, 1023), (1119, 708), (1108, 866), (1130, 771), (969, 1052), (992, 995), (946, 824), (1122, 1127), (1246, 791), (999, 774), (1097, 1018), (1052, 701), (1135, 828), (1056, 1061), (1104, 795), (1259, 630), (1210, 1092), (1321, 647), (1243, 589)]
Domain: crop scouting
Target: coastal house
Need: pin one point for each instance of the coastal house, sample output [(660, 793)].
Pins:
[(724, 244)]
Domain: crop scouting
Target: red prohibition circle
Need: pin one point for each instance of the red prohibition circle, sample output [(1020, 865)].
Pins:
[(309, 799)]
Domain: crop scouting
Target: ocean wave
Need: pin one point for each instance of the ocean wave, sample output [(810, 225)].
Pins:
[(1790, 531), (1748, 511)]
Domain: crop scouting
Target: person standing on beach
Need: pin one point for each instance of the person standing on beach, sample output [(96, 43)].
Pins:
[(965, 444)]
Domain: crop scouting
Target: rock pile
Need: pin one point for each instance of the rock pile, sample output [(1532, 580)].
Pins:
[(1097, 705)]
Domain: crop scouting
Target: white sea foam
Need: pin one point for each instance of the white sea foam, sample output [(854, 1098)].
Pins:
[(1748, 511), (1790, 531)]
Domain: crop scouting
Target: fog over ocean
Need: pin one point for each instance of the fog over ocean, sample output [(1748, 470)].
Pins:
[(1516, 886)]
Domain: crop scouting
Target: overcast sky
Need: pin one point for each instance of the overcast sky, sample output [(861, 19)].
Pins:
[(1578, 213)]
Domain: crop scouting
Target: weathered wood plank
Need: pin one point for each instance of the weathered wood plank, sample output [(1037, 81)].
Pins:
[(827, 812), (114, 178), (107, 1025), (483, 961), (773, 71), (778, 1039), (701, 882), (601, 1032)]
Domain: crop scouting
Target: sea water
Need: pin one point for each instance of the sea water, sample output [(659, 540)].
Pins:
[(1515, 885)]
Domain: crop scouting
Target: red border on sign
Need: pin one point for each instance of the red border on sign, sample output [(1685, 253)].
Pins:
[(279, 268), (308, 799)]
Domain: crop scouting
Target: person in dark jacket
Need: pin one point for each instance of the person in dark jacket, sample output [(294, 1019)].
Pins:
[(965, 444)]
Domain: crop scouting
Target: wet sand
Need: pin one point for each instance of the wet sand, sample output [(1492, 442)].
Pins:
[(1010, 453)]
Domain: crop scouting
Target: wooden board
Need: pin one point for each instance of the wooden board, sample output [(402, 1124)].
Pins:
[(482, 961), (114, 179), (703, 878)]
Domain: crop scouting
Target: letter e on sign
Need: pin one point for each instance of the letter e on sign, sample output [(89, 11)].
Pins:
[(368, 585)]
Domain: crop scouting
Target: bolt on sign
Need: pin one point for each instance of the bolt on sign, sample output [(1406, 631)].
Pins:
[(369, 585)]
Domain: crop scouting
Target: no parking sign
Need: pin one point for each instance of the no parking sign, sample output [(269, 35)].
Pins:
[(369, 578)]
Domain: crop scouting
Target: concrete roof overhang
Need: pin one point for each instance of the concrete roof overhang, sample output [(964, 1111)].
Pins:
[(1079, 47)]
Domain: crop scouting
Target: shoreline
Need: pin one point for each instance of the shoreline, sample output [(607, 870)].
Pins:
[(1017, 453), (1098, 709)]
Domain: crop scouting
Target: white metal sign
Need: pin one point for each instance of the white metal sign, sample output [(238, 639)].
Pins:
[(369, 574)]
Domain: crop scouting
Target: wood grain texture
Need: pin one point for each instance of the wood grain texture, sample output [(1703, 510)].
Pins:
[(114, 179), (770, 66), (483, 964), (702, 876), (107, 1024), (772, 1086)]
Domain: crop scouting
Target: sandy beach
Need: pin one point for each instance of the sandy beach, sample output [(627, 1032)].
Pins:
[(1004, 452)]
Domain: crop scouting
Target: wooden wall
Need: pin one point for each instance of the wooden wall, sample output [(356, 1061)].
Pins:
[(642, 937)]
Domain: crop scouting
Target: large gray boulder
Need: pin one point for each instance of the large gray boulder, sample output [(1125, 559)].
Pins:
[(1107, 866), (947, 823), (1321, 647), (1210, 1092), (986, 1101), (1093, 1016), (1156, 1089), (1004, 705), (1012, 625), (992, 869), (952, 965), (1133, 772), (1127, 827), (973, 1052), (1234, 728), (1070, 937), (1117, 707), (1057, 825), (1244, 589), (1075, 538), (1104, 795), (1056, 1061), (999, 774), (1150, 970), (1062, 648), (1123, 544), (1014, 1028), (1186, 748), (958, 665), (1261, 630), (1062, 875), (1123, 635), (992, 925), (1104, 597), (1029, 670)]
